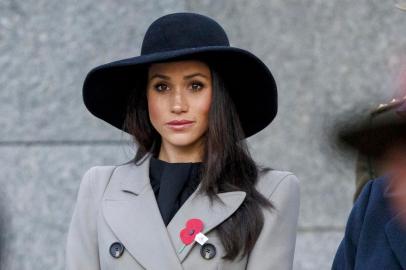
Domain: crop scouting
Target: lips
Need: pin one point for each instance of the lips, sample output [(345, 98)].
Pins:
[(180, 125), (179, 122)]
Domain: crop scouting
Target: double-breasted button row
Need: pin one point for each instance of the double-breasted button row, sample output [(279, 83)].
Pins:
[(207, 250)]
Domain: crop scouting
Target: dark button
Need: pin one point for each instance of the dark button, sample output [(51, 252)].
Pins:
[(208, 251), (116, 249)]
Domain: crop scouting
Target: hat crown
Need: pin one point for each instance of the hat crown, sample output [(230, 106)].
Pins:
[(183, 30)]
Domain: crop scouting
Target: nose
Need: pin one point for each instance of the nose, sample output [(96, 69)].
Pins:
[(179, 102)]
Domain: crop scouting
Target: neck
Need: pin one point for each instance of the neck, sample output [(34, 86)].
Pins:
[(172, 154)]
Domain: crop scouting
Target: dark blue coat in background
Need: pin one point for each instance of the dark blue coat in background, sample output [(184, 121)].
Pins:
[(374, 237)]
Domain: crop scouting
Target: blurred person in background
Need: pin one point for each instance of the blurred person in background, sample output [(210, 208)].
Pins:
[(375, 235)]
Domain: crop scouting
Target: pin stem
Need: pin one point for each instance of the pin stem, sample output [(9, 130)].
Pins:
[(181, 249)]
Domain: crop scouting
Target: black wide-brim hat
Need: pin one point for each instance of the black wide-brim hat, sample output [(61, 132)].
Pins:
[(180, 36)]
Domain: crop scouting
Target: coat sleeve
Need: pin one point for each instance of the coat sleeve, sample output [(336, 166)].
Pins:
[(345, 256), (275, 246), (82, 248)]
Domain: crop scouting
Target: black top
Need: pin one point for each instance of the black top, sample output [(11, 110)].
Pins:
[(173, 183)]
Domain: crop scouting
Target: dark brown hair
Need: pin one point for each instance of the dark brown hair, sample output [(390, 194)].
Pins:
[(227, 163)]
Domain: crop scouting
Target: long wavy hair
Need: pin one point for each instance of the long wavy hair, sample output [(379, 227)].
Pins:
[(227, 164)]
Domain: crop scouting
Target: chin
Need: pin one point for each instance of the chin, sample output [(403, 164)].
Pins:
[(182, 141)]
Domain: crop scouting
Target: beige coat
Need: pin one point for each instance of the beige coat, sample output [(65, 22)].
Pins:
[(117, 204)]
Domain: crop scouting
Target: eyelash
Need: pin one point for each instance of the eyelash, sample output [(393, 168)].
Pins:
[(157, 85), (198, 83), (192, 83)]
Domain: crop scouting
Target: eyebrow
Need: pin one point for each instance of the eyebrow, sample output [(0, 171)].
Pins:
[(157, 75)]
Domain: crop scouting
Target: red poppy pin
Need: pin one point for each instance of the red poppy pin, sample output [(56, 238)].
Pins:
[(192, 232), (193, 227)]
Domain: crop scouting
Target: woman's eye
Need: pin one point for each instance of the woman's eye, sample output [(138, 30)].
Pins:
[(197, 85), (161, 87)]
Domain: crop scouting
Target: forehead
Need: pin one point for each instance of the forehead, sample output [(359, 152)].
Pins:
[(181, 66)]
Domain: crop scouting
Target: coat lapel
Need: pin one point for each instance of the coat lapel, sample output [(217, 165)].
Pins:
[(211, 214), (131, 210), (132, 213), (397, 238)]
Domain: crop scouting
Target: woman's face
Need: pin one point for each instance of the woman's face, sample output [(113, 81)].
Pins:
[(179, 97)]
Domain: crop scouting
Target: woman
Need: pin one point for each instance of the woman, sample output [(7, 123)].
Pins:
[(192, 198)]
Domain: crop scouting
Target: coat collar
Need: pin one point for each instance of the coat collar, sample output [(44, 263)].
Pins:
[(130, 208)]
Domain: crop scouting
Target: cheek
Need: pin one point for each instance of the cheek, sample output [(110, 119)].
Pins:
[(154, 110), (203, 107), (205, 103)]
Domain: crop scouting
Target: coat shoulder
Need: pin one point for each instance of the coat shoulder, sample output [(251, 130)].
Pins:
[(269, 181), (98, 178)]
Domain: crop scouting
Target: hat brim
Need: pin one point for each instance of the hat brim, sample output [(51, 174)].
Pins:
[(372, 139), (252, 86)]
